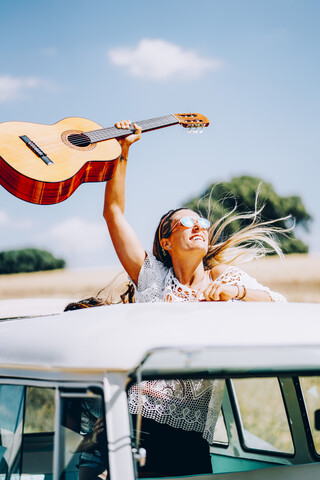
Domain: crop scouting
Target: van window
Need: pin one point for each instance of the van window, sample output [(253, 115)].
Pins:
[(11, 415), (311, 391), (38, 434), (83, 444), (40, 410), (27, 433), (263, 415)]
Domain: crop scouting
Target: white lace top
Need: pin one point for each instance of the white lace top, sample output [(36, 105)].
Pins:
[(158, 283), (187, 404), (192, 405)]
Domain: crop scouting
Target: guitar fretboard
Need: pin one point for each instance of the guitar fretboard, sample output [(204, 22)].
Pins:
[(146, 126)]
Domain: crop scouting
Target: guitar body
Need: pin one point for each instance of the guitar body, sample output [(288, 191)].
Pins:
[(27, 176)]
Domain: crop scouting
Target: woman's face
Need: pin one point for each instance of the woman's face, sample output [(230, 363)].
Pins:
[(193, 238)]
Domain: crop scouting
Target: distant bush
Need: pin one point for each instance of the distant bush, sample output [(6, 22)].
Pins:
[(28, 260)]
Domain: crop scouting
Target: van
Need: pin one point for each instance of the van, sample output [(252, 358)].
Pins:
[(65, 378)]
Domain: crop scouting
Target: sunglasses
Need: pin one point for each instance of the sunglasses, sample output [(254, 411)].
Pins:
[(189, 222)]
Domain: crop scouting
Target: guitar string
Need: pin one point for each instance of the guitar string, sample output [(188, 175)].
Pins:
[(47, 143), (100, 135), (106, 133), (60, 145)]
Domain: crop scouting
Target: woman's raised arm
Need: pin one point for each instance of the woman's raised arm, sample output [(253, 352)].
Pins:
[(125, 241)]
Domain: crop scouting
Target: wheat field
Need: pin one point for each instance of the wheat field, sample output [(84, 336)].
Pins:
[(297, 277)]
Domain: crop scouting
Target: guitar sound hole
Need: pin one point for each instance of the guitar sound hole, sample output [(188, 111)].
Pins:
[(79, 140)]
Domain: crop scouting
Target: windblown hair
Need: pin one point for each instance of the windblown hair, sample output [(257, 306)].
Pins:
[(85, 303), (127, 296), (255, 240)]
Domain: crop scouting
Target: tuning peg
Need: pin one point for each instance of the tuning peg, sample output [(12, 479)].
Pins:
[(189, 129), (201, 129)]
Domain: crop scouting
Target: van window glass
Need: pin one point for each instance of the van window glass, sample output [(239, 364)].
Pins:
[(83, 446), (263, 416), (11, 415), (27, 423), (38, 434), (220, 431), (311, 392), (40, 410)]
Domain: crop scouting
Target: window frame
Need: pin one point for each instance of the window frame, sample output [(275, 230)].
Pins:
[(58, 386), (238, 420), (305, 414)]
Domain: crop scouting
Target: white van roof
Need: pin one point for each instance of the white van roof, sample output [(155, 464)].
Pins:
[(167, 338)]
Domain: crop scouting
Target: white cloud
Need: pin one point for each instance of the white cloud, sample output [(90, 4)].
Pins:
[(80, 242), (76, 235), (7, 222), (161, 60), (3, 218), (12, 88)]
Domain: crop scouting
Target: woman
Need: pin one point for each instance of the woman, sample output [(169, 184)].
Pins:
[(183, 266), (187, 265)]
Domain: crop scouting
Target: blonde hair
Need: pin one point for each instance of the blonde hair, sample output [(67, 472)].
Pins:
[(252, 241), (118, 290), (255, 240)]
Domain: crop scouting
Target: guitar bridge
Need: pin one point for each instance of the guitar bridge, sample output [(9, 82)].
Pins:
[(37, 150)]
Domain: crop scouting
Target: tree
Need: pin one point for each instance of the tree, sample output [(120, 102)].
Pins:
[(220, 198), (28, 260)]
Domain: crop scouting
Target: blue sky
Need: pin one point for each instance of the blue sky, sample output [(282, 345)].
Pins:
[(250, 66)]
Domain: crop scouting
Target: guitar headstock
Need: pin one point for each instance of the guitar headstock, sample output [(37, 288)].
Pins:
[(192, 120)]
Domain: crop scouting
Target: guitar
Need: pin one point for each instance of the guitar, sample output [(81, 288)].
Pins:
[(45, 164)]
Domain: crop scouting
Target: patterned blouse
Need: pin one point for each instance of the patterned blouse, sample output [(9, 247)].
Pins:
[(187, 404)]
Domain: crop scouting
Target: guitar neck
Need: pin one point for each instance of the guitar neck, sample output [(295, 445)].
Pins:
[(146, 126)]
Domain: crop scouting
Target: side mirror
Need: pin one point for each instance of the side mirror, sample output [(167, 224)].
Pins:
[(317, 419)]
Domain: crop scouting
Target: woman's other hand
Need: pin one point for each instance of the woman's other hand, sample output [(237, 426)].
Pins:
[(218, 292)]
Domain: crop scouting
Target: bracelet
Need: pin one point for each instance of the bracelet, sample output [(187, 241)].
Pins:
[(244, 293), (237, 295)]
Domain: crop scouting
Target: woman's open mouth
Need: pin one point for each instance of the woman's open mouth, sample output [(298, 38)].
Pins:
[(197, 237)]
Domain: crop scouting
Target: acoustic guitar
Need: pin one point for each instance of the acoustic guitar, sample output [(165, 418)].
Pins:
[(45, 164)]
